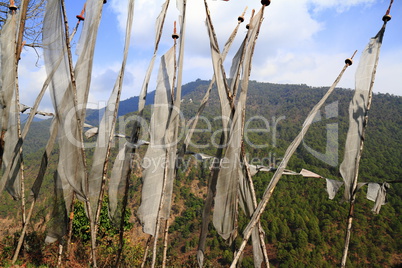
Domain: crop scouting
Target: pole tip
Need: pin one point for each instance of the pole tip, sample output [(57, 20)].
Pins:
[(12, 6), (175, 35), (265, 2), (386, 18)]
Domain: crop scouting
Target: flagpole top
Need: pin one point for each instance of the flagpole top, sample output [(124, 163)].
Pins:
[(386, 18), (265, 2), (349, 61), (241, 17), (175, 35), (252, 15), (81, 17), (12, 6)]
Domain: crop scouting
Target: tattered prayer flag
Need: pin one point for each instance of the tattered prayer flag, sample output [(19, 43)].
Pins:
[(154, 160), (97, 176), (70, 170), (8, 107), (225, 212), (333, 187), (309, 174), (121, 166), (377, 193), (358, 109), (85, 51)]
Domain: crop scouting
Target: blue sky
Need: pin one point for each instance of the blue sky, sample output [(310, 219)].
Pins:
[(300, 42)]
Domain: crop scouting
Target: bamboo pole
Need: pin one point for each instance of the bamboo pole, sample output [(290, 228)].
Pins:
[(19, 45), (123, 213), (79, 19), (230, 96), (79, 125), (21, 168), (24, 229), (70, 225), (255, 204), (49, 148), (170, 154), (205, 99), (206, 214), (21, 27), (119, 83), (173, 123), (60, 254), (144, 259), (386, 18), (276, 177), (354, 186), (135, 135), (248, 175), (161, 203), (358, 157), (165, 243), (24, 8), (39, 179)]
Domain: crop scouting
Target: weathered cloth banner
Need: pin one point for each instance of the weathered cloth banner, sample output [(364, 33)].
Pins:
[(358, 108), (8, 107), (155, 158)]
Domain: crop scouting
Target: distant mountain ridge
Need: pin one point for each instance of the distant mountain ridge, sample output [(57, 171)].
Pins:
[(131, 104), (263, 99)]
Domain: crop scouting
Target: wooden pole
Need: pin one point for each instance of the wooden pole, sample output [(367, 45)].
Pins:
[(276, 177), (24, 133), (70, 225), (21, 28), (22, 236), (255, 204), (79, 125), (165, 243), (123, 213), (206, 213), (356, 176), (161, 203), (144, 259), (24, 11), (169, 164)]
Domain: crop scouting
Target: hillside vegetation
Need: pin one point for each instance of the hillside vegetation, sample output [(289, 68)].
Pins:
[(303, 227)]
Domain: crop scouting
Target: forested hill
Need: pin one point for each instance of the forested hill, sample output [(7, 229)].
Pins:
[(303, 227), (290, 104)]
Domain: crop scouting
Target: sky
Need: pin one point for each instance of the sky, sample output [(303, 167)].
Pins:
[(300, 42)]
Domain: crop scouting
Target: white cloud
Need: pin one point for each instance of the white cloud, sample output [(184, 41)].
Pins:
[(388, 77), (294, 45), (281, 31), (32, 75)]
